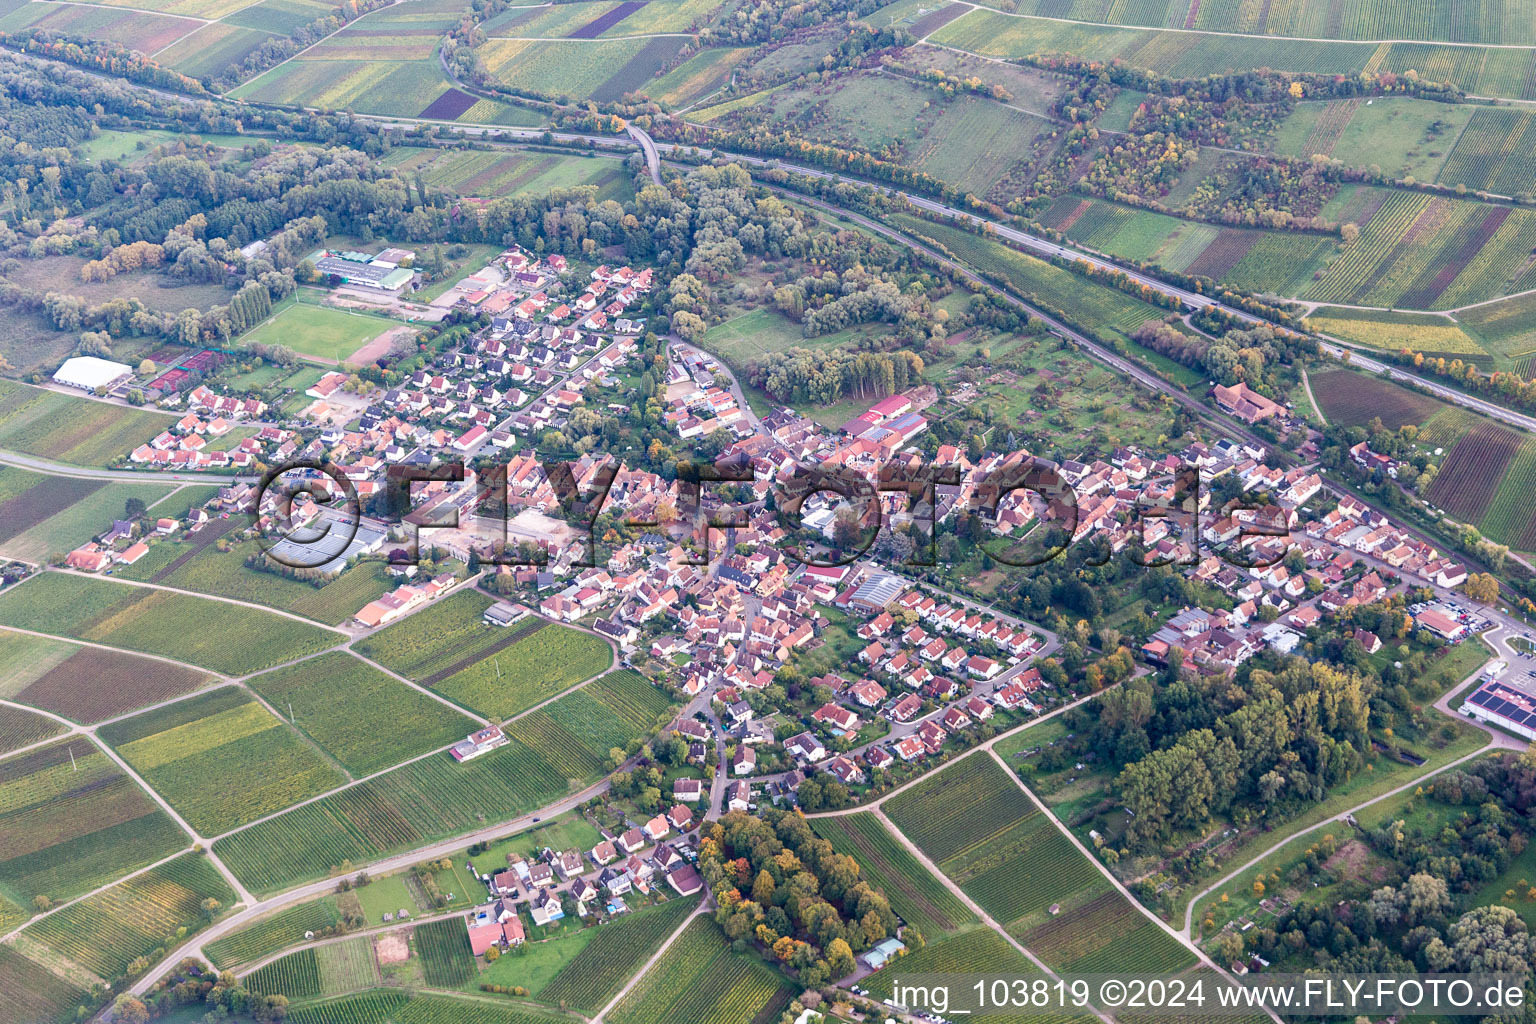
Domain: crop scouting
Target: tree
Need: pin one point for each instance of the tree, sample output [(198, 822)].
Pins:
[(1482, 587), (1491, 940), (211, 907), (134, 508), (146, 367), (130, 1010)]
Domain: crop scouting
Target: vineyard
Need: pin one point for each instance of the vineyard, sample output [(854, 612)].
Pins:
[(57, 514), (1024, 870), (1105, 934), (68, 825), (540, 663), (400, 88), (222, 759), (265, 937), (959, 808), (1353, 399), (105, 932), (93, 684), (220, 636), (441, 1009), (916, 896), (19, 728), (1470, 474), (365, 719), (979, 951), (31, 992), (444, 950), (374, 1007), (1511, 516), (406, 807), (202, 567), (296, 976), (700, 981), (440, 636), (1494, 152), (618, 949), (64, 428), (1507, 328), (1391, 332)]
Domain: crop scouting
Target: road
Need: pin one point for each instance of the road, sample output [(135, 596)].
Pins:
[(137, 476)]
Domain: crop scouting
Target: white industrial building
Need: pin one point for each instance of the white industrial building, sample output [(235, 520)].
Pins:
[(1505, 706), (89, 373)]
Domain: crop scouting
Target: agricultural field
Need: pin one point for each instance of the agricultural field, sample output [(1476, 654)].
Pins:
[(64, 428), (494, 174), (372, 1007), (221, 636), (71, 820), (748, 337), (31, 992), (436, 797), (1404, 137), (697, 77), (271, 934), (104, 933), (71, 522), (1471, 472), (1392, 332), (222, 759), (1493, 154), (620, 947), (142, 31), (212, 49), (981, 830), (445, 1009), (1506, 328), (328, 334), (328, 970), (363, 718), (1353, 399), (21, 728), (1108, 933), (395, 88), (917, 897), (86, 684), (498, 671), (1420, 252), (196, 563), (443, 946), (700, 981), (578, 69), (1509, 516)]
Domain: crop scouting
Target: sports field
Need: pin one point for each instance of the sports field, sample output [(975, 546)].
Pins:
[(330, 334)]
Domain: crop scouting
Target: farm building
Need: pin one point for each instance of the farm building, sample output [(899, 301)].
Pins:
[(89, 373), (1502, 705)]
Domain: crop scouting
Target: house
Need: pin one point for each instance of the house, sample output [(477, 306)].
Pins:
[(680, 817), (744, 761), (603, 853), (484, 935), (846, 771), (738, 797), (88, 559), (686, 880), (806, 748), (478, 743), (838, 717), (1368, 640), (658, 827), (689, 790), (868, 693), (906, 708), (632, 841)]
